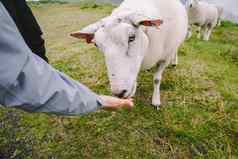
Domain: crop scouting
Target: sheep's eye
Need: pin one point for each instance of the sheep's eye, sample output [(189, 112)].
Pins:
[(132, 38), (95, 44)]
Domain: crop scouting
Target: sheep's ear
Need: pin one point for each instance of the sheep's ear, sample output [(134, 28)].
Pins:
[(87, 36), (139, 19), (88, 32)]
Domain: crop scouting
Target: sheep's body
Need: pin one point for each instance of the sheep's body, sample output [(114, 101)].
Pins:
[(164, 42), (205, 16)]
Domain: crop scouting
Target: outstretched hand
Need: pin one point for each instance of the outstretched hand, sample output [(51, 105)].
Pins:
[(113, 103)]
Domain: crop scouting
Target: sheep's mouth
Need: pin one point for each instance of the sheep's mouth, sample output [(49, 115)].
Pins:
[(132, 92)]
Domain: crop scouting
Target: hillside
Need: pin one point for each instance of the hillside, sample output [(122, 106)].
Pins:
[(230, 8), (198, 119)]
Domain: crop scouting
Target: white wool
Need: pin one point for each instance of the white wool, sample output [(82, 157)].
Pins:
[(165, 41)]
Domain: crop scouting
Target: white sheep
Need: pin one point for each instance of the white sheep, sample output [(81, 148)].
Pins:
[(138, 35), (203, 15)]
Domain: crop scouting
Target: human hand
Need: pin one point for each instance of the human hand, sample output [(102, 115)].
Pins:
[(113, 103)]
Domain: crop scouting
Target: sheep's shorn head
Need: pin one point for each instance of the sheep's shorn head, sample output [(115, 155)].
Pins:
[(123, 41), (192, 3)]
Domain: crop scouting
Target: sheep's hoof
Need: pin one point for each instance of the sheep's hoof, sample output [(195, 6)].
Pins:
[(157, 107), (174, 65), (156, 102)]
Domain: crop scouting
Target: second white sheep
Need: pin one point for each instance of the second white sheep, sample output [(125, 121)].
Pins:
[(204, 16)]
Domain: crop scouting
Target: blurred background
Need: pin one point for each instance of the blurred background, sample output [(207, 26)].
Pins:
[(230, 6)]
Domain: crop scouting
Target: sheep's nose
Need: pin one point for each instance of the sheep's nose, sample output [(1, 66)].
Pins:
[(122, 94)]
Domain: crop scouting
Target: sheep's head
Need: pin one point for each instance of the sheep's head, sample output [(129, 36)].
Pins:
[(123, 41), (193, 3)]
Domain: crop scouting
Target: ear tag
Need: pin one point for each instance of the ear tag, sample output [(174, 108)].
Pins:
[(153, 23)]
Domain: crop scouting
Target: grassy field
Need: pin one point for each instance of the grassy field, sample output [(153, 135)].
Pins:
[(199, 117)]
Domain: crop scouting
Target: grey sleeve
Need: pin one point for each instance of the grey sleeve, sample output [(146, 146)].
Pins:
[(29, 83)]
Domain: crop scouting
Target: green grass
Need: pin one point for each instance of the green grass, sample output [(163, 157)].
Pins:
[(198, 119)]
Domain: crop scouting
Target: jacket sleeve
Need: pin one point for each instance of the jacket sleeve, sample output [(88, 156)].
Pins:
[(29, 83)]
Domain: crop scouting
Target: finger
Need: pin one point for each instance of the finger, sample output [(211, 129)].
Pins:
[(128, 104)]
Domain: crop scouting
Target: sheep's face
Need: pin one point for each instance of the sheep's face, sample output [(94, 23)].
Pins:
[(123, 44)]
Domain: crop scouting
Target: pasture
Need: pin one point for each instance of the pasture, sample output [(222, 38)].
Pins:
[(198, 118)]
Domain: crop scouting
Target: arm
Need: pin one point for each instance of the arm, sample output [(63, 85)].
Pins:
[(29, 83)]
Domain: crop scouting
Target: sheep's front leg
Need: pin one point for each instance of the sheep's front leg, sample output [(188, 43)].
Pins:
[(208, 34), (199, 32), (174, 61), (190, 32), (203, 31), (157, 80), (219, 22)]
